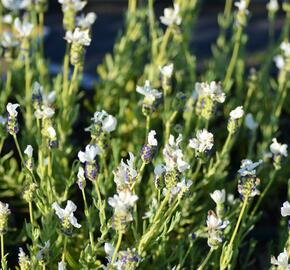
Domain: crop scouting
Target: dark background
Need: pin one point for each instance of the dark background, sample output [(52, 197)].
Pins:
[(110, 22)]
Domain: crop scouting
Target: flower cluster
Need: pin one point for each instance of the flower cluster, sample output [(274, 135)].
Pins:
[(208, 95), (12, 123), (215, 228), (203, 142), (122, 204), (171, 16), (66, 215), (234, 121), (282, 60), (89, 159), (4, 213), (152, 98), (248, 181), (149, 149), (125, 174), (278, 151)]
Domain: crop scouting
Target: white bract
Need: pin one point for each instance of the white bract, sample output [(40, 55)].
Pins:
[(167, 70), (171, 16), (78, 36), (212, 90), (107, 121), (15, 5), (123, 201), (278, 148), (51, 132), (8, 40), (76, 5), (151, 138), (90, 153), (248, 167), (24, 29), (203, 141), (45, 112), (281, 261), (61, 266), (11, 109), (173, 155), (67, 214), (218, 196), (150, 94), (242, 6), (86, 21), (28, 151), (237, 113), (285, 209), (273, 6)]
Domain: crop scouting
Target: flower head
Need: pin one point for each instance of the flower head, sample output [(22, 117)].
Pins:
[(75, 5), (78, 36), (28, 151), (248, 167), (150, 94), (12, 109), (212, 90), (66, 215), (23, 260), (24, 28), (285, 209), (8, 40), (4, 213), (237, 113), (219, 196), (281, 261), (203, 141), (278, 149), (167, 70), (107, 122), (15, 5), (86, 21), (273, 6), (171, 16), (90, 153)]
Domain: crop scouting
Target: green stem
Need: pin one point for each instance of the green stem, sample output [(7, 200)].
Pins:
[(163, 45), (73, 80), (28, 89), (148, 121), (2, 246), (168, 125), (117, 248), (205, 261), (91, 235), (1, 144), (18, 149), (31, 213), (64, 249), (239, 221)]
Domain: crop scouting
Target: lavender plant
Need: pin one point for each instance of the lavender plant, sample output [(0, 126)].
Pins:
[(178, 168)]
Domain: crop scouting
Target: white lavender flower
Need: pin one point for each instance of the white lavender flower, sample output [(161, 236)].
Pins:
[(76, 5), (108, 122), (203, 141), (272, 6), (4, 213), (123, 201), (7, 18), (215, 227), (218, 196), (81, 178), (285, 209), (78, 36), (285, 48), (149, 149), (12, 123), (15, 5), (8, 40), (159, 173), (90, 153), (167, 71), (281, 261), (24, 28), (212, 90), (250, 122), (23, 260), (248, 167), (28, 151), (125, 174), (237, 113), (12, 109), (86, 21), (122, 204), (66, 215), (171, 16), (3, 120), (278, 149), (150, 93), (61, 266), (173, 155), (281, 59), (242, 6)]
